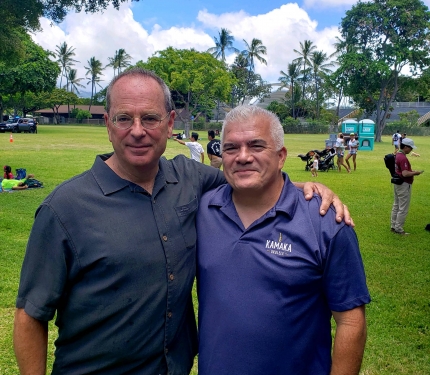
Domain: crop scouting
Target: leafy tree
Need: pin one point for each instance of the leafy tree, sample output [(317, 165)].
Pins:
[(223, 44), (383, 36), (65, 59), (197, 80), (35, 72), (55, 98), (254, 51), (410, 118), (22, 16), (247, 84), (279, 109), (83, 114), (94, 70)]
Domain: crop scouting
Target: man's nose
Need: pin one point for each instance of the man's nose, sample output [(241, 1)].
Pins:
[(244, 155)]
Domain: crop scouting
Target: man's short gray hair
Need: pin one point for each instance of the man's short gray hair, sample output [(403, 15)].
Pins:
[(136, 71), (245, 112)]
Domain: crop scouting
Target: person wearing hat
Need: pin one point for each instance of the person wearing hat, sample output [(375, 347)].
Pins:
[(353, 147), (402, 192)]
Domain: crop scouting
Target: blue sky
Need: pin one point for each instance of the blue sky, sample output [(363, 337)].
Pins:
[(148, 26)]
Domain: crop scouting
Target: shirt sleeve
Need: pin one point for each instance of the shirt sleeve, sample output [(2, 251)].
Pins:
[(344, 276), (44, 270)]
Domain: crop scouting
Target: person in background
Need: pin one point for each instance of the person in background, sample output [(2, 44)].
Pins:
[(353, 147), (196, 149), (314, 169), (412, 152), (214, 150), (402, 193), (12, 184), (8, 172), (112, 251), (340, 150), (278, 271), (395, 140)]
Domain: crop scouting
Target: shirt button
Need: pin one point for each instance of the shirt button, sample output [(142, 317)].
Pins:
[(164, 238), (166, 350), (169, 314), (171, 277)]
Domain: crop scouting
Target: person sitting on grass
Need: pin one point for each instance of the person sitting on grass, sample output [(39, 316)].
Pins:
[(7, 172), (12, 184)]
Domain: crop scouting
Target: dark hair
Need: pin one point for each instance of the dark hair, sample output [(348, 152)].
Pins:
[(146, 74), (402, 146), (195, 135), (7, 172), (211, 133)]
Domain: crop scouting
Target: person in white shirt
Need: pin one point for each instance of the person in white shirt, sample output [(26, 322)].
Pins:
[(395, 140), (196, 149)]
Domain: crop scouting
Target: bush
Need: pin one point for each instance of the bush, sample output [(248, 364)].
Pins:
[(83, 114)]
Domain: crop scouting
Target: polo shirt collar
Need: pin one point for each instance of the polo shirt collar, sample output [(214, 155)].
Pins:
[(110, 182), (286, 203)]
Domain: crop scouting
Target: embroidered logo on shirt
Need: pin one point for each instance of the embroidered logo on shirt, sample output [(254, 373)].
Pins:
[(278, 247)]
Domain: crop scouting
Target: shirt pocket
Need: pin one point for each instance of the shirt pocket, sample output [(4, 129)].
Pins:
[(187, 219)]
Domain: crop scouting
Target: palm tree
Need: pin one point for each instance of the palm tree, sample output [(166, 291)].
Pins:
[(254, 51), (65, 54), (73, 81), (288, 80), (305, 52), (320, 65), (123, 60), (224, 43), (94, 69), (120, 60)]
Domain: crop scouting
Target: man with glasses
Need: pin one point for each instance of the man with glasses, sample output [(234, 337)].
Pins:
[(112, 251)]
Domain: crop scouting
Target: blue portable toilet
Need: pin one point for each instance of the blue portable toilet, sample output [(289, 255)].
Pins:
[(349, 126), (366, 135)]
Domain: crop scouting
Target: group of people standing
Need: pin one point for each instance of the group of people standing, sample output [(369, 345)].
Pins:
[(197, 152), (340, 152)]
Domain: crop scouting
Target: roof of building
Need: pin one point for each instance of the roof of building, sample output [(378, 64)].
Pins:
[(95, 109)]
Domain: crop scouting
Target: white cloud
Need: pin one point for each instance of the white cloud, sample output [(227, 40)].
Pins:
[(101, 34), (280, 30)]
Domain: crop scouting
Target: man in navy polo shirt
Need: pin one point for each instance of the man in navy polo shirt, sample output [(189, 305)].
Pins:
[(278, 271)]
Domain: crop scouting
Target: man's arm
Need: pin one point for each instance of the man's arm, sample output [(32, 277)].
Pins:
[(406, 173), (180, 141), (349, 341), (30, 342), (328, 197), (202, 155)]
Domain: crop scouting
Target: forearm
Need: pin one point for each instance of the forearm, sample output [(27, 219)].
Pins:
[(410, 173), (349, 343), (30, 341), (202, 155)]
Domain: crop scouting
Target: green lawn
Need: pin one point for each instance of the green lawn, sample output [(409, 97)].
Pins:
[(398, 268)]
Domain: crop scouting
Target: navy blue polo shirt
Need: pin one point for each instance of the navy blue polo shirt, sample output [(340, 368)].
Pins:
[(266, 292), (117, 266)]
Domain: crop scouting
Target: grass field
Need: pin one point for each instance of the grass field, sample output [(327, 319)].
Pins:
[(397, 268)]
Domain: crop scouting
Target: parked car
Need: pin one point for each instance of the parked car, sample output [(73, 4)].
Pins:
[(26, 125), (10, 125)]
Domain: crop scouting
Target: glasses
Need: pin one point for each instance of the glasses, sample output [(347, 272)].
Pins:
[(150, 121)]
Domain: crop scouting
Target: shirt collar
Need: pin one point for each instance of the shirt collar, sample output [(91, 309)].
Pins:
[(110, 182)]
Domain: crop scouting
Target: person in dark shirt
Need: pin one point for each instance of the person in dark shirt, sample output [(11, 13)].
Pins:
[(214, 150)]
